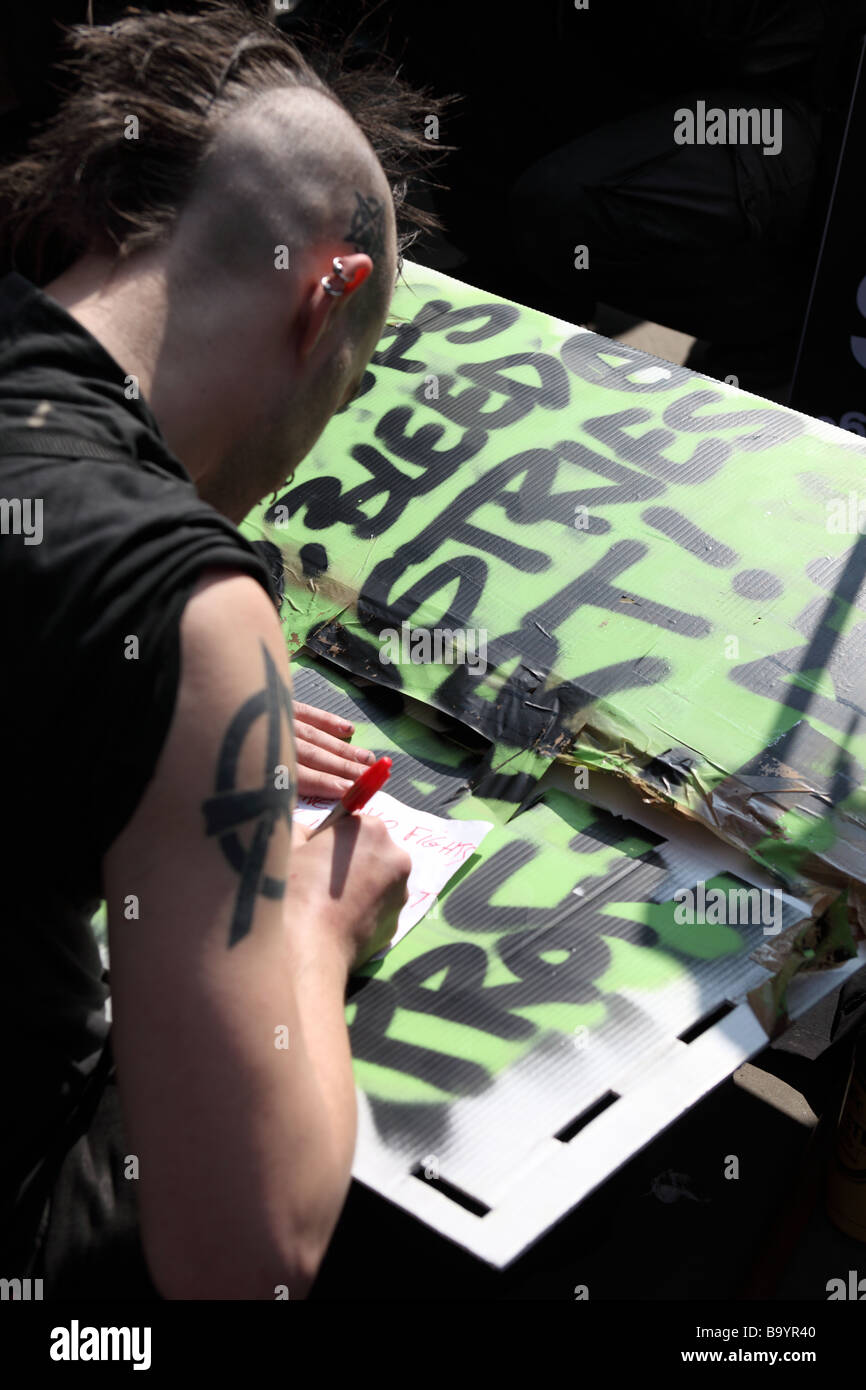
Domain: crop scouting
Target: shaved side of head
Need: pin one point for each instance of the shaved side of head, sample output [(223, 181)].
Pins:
[(288, 169), (201, 255)]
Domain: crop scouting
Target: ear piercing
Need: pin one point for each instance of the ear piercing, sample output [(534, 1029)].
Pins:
[(327, 280)]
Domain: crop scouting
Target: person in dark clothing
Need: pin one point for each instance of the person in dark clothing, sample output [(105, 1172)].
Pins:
[(223, 278)]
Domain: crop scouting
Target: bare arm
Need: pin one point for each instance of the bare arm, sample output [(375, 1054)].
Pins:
[(244, 1144)]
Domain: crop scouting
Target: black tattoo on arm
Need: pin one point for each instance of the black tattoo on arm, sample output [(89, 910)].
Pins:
[(367, 231), (230, 808)]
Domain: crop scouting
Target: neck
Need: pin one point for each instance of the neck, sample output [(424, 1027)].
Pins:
[(124, 312), (125, 307)]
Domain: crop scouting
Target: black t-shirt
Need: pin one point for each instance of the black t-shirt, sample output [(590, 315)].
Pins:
[(97, 560)]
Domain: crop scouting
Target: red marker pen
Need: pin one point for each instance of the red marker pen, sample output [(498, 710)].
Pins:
[(359, 794)]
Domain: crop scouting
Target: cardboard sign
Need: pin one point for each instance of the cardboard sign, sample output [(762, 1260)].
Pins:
[(560, 1006), (666, 574), (600, 575)]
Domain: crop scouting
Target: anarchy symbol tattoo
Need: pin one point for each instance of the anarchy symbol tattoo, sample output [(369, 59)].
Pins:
[(230, 808), (367, 231)]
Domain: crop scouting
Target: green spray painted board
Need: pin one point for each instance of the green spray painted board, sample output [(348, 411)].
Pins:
[(550, 1015), (668, 575), (668, 571)]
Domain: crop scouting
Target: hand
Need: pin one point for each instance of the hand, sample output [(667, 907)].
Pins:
[(327, 764), (347, 886)]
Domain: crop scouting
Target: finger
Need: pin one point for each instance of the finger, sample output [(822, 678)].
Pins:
[(319, 759), (321, 719), (336, 746), (300, 833), (321, 784)]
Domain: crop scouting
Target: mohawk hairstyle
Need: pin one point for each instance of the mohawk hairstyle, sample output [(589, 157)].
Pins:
[(179, 74)]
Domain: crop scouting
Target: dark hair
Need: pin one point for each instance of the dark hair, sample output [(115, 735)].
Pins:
[(179, 73)]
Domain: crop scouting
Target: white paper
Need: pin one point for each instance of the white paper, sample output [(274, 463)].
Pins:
[(436, 847)]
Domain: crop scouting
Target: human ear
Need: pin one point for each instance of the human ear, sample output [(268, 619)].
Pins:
[(345, 275)]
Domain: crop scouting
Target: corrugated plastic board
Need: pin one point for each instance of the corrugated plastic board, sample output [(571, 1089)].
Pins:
[(668, 570), (669, 576), (518, 1006)]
